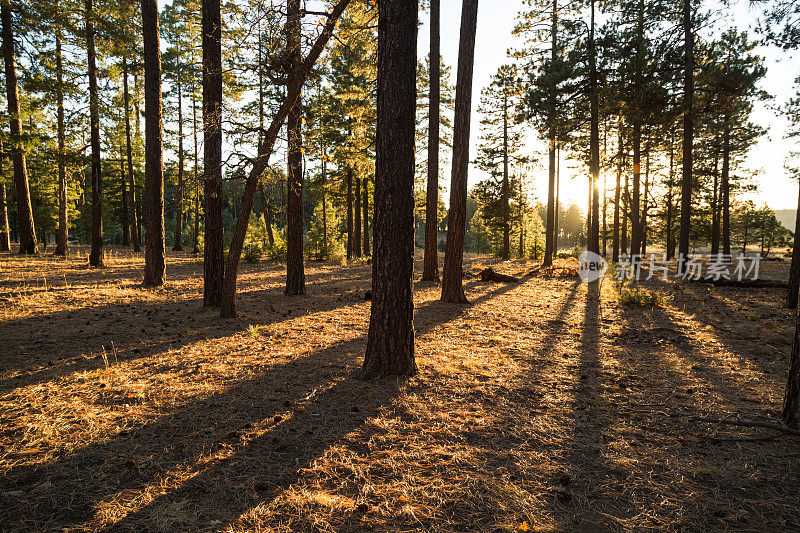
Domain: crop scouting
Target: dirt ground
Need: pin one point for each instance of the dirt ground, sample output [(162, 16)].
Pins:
[(537, 408)]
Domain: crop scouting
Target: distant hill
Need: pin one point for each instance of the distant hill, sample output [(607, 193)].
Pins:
[(787, 218)]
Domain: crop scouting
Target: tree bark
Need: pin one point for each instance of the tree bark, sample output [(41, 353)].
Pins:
[(594, 141), (295, 274), (61, 233), (5, 229), (213, 260), (196, 240), (357, 213), (452, 275), (715, 219), (390, 343), (688, 137), (135, 237), (791, 400), (551, 237), (154, 254), (126, 229), (96, 254), (794, 272), (504, 191), (178, 247), (350, 237), (365, 205), (228, 306), (430, 268), (615, 238), (725, 191), (25, 225)]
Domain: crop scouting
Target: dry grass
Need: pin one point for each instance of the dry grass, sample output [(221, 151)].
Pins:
[(537, 407)]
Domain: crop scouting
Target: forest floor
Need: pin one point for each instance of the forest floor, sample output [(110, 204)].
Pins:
[(538, 407)]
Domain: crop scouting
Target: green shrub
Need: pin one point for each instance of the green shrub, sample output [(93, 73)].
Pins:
[(640, 298), (252, 253)]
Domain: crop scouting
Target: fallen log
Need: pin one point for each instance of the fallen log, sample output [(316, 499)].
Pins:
[(490, 275), (743, 283)]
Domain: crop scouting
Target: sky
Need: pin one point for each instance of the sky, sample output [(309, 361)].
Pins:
[(496, 20)]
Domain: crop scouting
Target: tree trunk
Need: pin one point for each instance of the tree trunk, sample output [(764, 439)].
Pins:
[(325, 254), (635, 203), (196, 240), (135, 237), (5, 229), (670, 198), (357, 212), (594, 141), (725, 191), (126, 228), (61, 233), (228, 306), (178, 247), (715, 219), (154, 253), (794, 272), (430, 269), (615, 238), (295, 275), (365, 205), (213, 260), (349, 174), (791, 399), (645, 202), (96, 254), (504, 192), (688, 137), (390, 343), (452, 275), (625, 209), (557, 216), (25, 225), (551, 237)]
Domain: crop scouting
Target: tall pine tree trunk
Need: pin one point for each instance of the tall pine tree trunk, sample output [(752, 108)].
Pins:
[(430, 269), (213, 260), (178, 247), (725, 191), (688, 137), (154, 253), (791, 399), (350, 237), (615, 238), (635, 204), (135, 237), (505, 186), (61, 233), (365, 206), (670, 199), (390, 343), (96, 254), (357, 212), (295, 274), (594, 140), (551, 235), (5, 229), (794, 271), (452, 274), (126, 228), (715, 218), (196, 238), (25, 225)]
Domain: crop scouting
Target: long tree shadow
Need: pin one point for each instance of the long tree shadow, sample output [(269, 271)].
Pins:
[(46, 347), (209, 461)]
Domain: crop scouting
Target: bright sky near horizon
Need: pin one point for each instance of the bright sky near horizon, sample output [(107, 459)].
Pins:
[(496, 19)]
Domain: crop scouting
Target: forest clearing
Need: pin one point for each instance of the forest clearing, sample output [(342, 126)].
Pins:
[(539, 407)]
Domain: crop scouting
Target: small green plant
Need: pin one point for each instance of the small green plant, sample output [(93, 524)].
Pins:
[(640, 298), (252, 253), (254, 330)]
